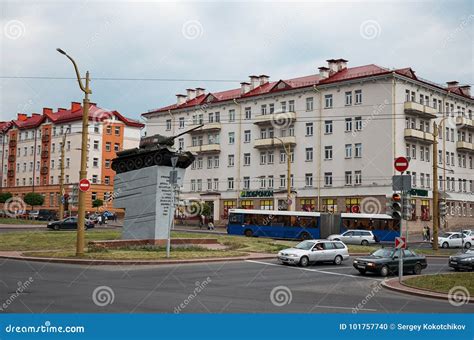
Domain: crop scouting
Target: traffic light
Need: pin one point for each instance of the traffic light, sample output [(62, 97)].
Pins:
[(442, 209), (396, 206), (407, 209)]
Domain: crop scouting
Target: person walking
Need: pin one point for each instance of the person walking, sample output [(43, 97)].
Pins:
[(428, 234), (424, 233)]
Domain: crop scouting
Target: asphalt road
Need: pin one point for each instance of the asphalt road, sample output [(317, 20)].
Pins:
[(226, 287)]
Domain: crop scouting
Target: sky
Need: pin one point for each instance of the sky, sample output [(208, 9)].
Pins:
[(214, 45)]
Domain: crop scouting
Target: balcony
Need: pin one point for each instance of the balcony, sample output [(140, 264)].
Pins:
[(214, 126), (44, 170), (420, 110), (45, 138), (274, 142), (205, 148), (419, 136), (464, 146), (277, 119), (11, 173), (463, 122), (45, 154), (12, 143), (11, 158)]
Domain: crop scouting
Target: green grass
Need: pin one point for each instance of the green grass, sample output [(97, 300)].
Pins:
[(6, 220), (443, 282)]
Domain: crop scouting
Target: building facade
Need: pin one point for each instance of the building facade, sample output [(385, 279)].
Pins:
[(31, 152), (343, 128)]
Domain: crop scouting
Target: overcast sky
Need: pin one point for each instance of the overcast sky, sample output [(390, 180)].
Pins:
[(216, 41)]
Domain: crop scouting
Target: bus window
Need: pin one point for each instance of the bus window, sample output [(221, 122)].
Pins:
[(235, 218)]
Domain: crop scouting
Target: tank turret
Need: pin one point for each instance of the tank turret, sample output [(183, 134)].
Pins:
[(153, 150)]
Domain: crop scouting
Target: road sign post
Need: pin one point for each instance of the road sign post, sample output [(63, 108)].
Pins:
[(400, 244)]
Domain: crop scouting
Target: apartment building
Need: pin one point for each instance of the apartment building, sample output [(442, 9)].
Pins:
[(343, 127), (31, 152)]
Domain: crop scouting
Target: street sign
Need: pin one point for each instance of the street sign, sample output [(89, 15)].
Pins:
[(400, 243), (84, 185), (401, 183), (401, 164)]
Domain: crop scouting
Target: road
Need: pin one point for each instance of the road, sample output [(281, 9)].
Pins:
[(226, 287)]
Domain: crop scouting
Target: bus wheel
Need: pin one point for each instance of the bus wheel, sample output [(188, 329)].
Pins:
[(338, 260), (304, 261), (365, 243), (305, 236), (248, 233)]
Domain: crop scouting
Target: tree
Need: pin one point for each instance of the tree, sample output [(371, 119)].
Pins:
[(33, 198), (206, 209), (97, 203), (4, 196)]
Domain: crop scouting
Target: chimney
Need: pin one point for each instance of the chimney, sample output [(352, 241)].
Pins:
[(200, 91), (22, 117), (180, 99), (264, 79), (47, 110), (466, 90), (254, 82), (75, 106), (323, 72), (191, 94), (332, 65), (244, 87), (452, 84), (341, 64)]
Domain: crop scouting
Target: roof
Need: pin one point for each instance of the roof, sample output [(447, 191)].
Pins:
[(302, 82)]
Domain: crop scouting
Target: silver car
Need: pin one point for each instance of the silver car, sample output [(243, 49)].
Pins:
[(355, 236), (312, 251)]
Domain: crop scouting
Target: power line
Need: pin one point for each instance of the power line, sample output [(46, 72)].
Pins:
[(123, 79)]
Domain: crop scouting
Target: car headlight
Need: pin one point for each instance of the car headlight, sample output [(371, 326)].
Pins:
[(370, 264), (468, 259), (355, 261)]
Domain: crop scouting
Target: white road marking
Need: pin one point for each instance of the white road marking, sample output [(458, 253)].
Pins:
[(314, 270)]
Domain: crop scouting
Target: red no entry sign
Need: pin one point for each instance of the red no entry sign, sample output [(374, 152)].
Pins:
[(401, 164), (84, 184)]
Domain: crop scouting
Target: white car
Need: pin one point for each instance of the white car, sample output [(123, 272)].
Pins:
[(355, 236), (454, 240), (311, 251)]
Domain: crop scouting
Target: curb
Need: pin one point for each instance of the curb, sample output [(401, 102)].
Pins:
[(393, 284)]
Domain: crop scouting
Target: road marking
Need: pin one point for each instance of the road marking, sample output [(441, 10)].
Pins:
[(350, 308), (314, 270)]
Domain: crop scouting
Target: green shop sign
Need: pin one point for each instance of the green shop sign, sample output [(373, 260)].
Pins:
[(419, 192), (256, 193)]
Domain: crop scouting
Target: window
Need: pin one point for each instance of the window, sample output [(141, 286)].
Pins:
[(309, 180), (232, 115), (68, 162), (247, 136), (231, 137), (358, 123), (181, 122), (230, 160), (181, 143), (422, 153), (168, 124), (348, 124), (348, 177), (107, 146), (209, 162), (309, 154), (216, 161), (329, 205), (413, 179), (282, 156), (282, 181), (352, 204), (263, 133), (271, 108), (309, 104), (96, 128), (94, 179), (328, 152), (246, 159), (215, 184), (328, 127), (358, 96), (422, 180), (209, 184), (68, 145), (263, 182), (96, 145), (199, 162), (270, 182), (117, 130), (358, 177), (425, 210), (283, 106), (328, 179), (348, 149), (246, 182), (291, 106), (349, 98), (358, 150), (309, 129), (246, 204), (248, 113), (95, 162), (263, 158), (52, 165), (199, 185), (193, 185), (328, 101), (211, 117), (107, 163), (116, 147), (230, 183), (270, 157)]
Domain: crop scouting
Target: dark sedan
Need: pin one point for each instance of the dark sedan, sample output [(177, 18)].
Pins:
[(68, 223), (385, 261), (462, 261)]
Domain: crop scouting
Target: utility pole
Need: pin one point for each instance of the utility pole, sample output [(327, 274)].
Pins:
[(61, 178), (435, 187), (83, 171)]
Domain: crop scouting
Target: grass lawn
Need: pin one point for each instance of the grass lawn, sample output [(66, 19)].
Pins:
[(6, 220), (443, 282)]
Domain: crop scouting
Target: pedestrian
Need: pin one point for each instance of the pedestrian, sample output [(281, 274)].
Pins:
[(424, 233), (428, 233), (210, 225), (202, 220)]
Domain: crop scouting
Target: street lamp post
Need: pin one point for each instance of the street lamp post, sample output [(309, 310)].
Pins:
[(83, 171), (288, 175), (61, 178)]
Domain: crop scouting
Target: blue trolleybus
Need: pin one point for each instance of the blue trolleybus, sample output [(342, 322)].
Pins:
[(308, 225)]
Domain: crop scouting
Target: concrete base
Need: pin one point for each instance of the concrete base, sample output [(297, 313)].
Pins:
[(146, 196)]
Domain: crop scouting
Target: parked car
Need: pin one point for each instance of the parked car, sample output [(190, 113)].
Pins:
[(311, 251), (46, 215), (454, 240), (69, 223), (385, 261), (355, 236), (33, 214), (470, 238), (462, 260)]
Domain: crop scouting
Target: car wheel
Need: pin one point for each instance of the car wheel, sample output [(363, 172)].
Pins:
[(456, 269), (467, 245), (248, 233), (362, 271), (304, 261), (384, 271), (305, 236), (365, 243), (445, 245), (56, 227), (338, 260), (417, 269)]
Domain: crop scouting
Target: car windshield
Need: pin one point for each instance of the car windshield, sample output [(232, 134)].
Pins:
[(446, 235), (382, 253), (305, 245)]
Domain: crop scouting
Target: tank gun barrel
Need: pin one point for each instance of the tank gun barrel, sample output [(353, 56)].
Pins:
[(185, 132)]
